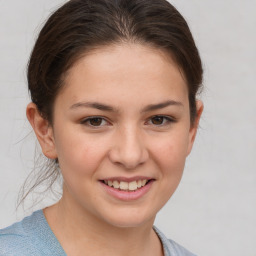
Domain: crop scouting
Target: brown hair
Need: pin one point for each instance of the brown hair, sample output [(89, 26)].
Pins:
[(82, 25)]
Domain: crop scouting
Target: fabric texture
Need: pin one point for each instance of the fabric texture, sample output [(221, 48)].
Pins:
[(33, 236)]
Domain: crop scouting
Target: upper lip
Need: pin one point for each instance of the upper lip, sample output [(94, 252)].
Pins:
[(128, 179)]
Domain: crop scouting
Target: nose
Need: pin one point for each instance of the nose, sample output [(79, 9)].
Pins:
[(128, 148)]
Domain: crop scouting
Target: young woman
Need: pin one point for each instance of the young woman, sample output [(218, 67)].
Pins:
[(113, 87)]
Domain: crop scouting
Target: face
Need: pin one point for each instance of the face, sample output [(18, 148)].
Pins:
[(121, 133)]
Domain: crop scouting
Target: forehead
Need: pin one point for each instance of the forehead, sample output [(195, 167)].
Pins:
[(123, 70)]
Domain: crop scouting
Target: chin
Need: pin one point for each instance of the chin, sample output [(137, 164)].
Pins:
[(129, 220)]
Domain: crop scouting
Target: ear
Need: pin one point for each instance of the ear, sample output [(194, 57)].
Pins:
[(194, 126), (43, 131)]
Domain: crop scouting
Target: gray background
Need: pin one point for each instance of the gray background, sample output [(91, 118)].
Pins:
[(213, 211)]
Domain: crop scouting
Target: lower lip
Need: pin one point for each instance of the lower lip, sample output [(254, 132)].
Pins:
[(125, 195)]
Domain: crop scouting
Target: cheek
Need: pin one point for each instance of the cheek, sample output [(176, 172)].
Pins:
[(79, 155), (170, 152), (169, 157)]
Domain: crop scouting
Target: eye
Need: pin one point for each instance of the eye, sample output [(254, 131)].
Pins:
[(94, 121), (160, 120)]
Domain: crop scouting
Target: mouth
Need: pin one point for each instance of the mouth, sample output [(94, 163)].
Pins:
[(126, 186), (127, 189)]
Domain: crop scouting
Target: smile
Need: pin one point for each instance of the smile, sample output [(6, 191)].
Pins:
[(126, 186), (127, 189)]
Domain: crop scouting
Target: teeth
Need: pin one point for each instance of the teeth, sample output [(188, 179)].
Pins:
[(133, 185), (127, 186), (124, 185), (115, 184)]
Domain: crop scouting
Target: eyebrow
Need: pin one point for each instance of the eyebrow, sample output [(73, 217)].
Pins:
[(161, 105), (95, 105), (109, 108)]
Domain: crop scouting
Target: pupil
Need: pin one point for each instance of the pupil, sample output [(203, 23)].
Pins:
[(96, 121), (157, 120)]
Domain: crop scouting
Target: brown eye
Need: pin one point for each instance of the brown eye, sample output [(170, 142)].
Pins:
[(94, 122), (157, 120), (160, 120), (97, 121)]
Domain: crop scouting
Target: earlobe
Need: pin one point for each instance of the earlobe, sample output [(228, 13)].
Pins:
[(194, 126), (43, 131)]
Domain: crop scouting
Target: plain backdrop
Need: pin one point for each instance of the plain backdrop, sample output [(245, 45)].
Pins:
[(213, 212)]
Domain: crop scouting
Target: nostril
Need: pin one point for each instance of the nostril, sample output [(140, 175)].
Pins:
[(128, 153)]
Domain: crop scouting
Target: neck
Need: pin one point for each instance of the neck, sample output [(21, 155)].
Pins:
[(79, 231)]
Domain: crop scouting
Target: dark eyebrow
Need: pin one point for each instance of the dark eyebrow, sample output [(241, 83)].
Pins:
[(162, 105), (96, 105), (105, 107)]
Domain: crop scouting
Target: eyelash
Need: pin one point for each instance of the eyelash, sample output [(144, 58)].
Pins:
[(89, 119), (166, 120)]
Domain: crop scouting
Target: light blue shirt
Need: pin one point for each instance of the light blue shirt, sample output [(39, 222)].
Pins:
[(33, 236)]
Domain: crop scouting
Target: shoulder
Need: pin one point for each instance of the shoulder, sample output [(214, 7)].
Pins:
[(16, 240), (31, 236), (172, 248)]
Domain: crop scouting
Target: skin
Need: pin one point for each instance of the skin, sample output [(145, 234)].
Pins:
[(128, 141)]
